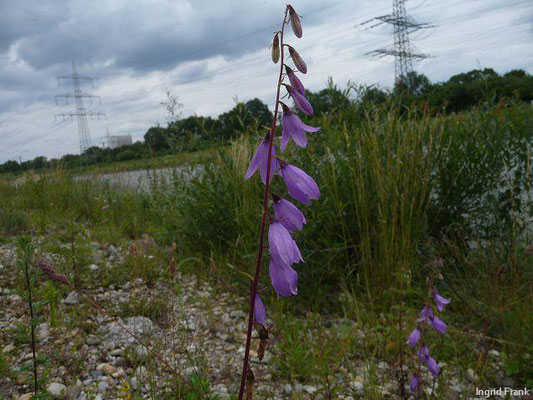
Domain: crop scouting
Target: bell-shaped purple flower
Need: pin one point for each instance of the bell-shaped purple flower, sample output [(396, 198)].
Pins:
[(259, 310), (301, 102), (423, 353), (288, 214), (260, 160), (300, 186), (439, 300), (414, 337), (295, 128), (284, 278), (414, 382), (283, 248), (293, 79), (439, 325), (433, 367), (426, 314)]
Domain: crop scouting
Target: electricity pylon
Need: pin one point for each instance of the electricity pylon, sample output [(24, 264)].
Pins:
[(403, 25), (79, 112)]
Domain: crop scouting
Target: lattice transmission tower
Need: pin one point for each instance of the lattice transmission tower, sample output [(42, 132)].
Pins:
[(79, 112), (403, 25)]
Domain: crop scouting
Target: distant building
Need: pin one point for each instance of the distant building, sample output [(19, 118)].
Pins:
[(114, 141)]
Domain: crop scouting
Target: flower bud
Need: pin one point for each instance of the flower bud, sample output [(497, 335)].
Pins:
[(298, 61), (275, 49), (295, 22)]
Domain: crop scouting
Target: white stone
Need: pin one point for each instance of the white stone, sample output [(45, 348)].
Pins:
[(56, 389), (357, 387), (471, 375), (106, 368), (310, 389), (494, 353), (72, 298), (102, 386)]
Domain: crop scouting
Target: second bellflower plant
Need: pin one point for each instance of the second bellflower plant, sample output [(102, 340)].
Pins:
[(428, 320), (286, 217)]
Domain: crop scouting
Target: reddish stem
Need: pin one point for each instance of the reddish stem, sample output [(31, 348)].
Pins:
[(260, 247)]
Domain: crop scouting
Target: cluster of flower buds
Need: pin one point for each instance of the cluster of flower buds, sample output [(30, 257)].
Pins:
[(284, 251), (50, 272), (428, 319)]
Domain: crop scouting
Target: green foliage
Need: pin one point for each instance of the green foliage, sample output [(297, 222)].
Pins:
[(5, 370), (461, 92)]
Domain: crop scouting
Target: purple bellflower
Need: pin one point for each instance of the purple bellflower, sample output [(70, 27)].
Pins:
[(295, 128), (439, 300), (439, 325), (295, 82), (423, 353), (286, 218), (433, 367), (301, 102), (300, 186), (426, 314), (260, 161), (288, 214), (259, 310), (414, 337), (413, 384), (283, 248), (284, 278)]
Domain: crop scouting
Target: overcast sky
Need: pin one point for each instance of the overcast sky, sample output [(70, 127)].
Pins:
[(211, 52)]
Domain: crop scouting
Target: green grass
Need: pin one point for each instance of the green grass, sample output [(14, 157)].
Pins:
[(398, 192)]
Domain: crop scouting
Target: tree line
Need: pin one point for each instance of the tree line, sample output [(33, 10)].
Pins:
[(459, 93)]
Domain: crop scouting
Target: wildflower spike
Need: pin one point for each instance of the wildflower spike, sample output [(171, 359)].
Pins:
[(284, 251), (51, 273)]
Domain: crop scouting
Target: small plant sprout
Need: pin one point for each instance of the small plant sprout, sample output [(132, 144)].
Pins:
[(286, 217), (428, 320)]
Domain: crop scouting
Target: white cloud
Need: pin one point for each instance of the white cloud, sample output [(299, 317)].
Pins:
[(138, 49)]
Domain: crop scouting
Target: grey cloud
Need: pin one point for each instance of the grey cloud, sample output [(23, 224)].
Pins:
[(139, 35)]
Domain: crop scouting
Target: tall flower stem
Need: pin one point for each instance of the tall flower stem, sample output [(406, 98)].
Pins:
[(32, 322), (260, 246)]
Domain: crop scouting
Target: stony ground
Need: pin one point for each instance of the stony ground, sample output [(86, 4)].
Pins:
[(195, 328)]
